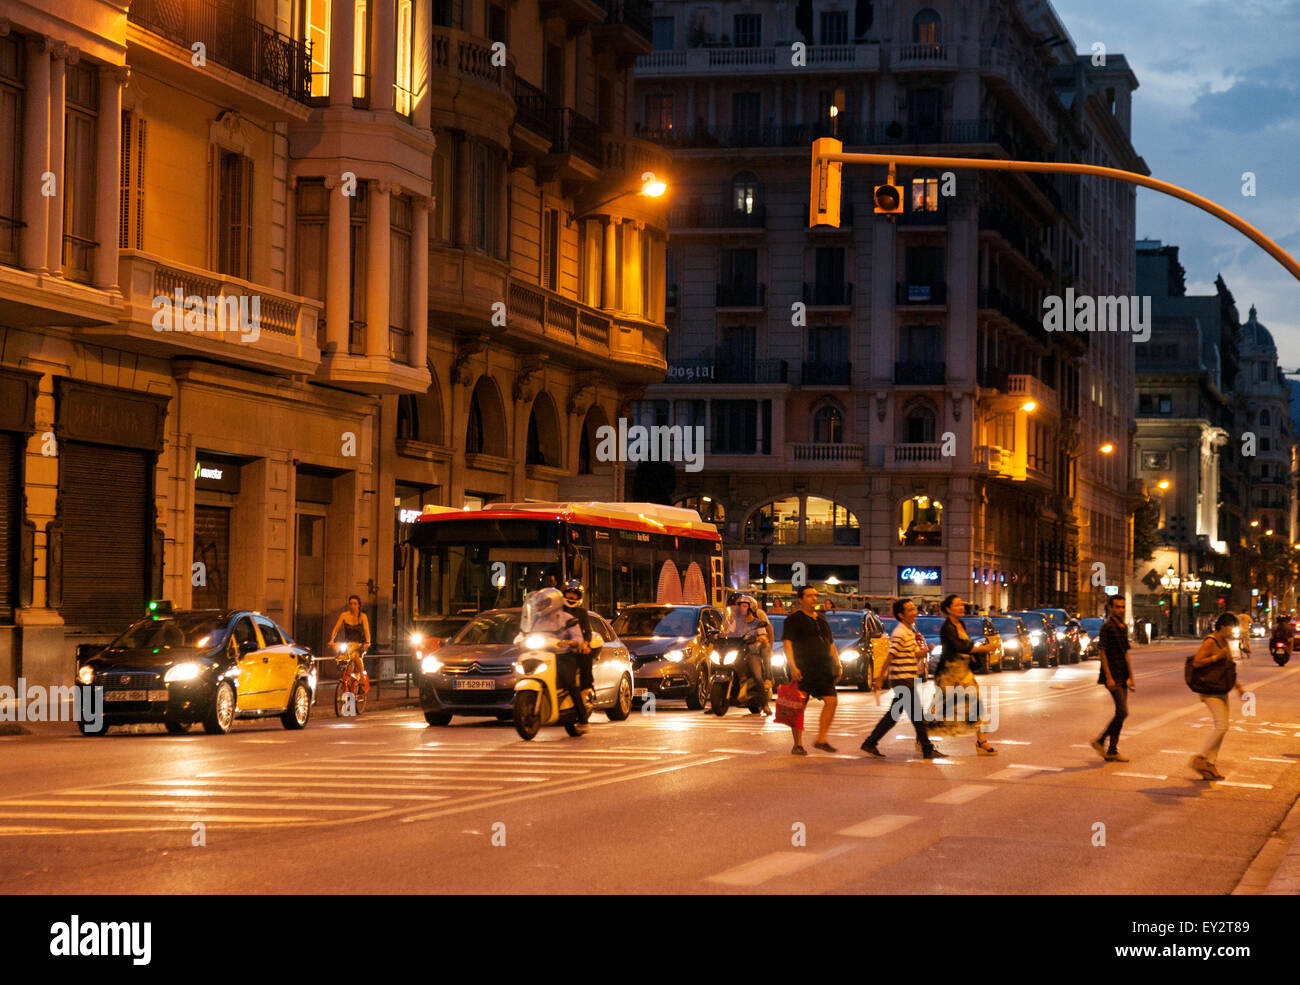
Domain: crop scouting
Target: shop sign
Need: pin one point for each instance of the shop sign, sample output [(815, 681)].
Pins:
[(911, 575)]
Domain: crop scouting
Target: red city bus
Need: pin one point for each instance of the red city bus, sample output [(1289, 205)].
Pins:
[(466, 561)]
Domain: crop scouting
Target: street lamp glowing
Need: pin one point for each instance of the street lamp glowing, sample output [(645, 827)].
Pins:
[(652, 187), (1107, 448), (832, 580), (1162, 484), (1268, 533), (1254, 523), (1029, 406)]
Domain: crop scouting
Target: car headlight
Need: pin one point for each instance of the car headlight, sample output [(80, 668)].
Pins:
[(1035, 637), (849, 655), (535, 642), (674, 655), (1011, 644), (716, 657), (519, 668), (1084, 640), (417, 639), (430, 665), (183, 672), (937, 650), (778, 660), (730, 658), (1060, 634), (86, 675)]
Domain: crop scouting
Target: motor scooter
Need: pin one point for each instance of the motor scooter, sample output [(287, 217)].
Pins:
[(732, 684), (539, 700), (1281, 651)]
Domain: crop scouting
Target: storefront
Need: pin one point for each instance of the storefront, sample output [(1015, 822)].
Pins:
[(216, 491), (920, 581), (17, 413)]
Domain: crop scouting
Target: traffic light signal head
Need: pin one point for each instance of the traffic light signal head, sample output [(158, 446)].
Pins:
[(889, 199), (824, 197)]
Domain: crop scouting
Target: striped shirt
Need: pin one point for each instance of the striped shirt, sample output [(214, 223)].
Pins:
[(903, 653)]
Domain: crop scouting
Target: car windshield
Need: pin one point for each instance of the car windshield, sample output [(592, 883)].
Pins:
[(183, 629), (491, 628), (929, 625), (1057, 616), (975, 627), (1033, 620), (1005, 625), (656, 621), (1091, 624), (844, 624)]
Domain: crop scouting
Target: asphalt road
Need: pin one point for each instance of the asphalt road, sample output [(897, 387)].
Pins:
[(674, 801)]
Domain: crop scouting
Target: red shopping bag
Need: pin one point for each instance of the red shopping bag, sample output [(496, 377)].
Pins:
[(790, 702)]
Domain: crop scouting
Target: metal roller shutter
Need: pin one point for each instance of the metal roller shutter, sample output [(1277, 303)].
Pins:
[(9, 539), (105, 513), (212, 550)]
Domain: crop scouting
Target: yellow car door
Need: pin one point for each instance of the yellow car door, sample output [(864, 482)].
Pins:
[(280, 662), (252, 671)]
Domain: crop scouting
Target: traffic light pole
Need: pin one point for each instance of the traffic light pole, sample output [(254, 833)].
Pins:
[(821, 157)]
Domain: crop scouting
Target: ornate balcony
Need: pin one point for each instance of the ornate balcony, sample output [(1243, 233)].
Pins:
[(928, 456), (832, 455), (854, 58), (922, 56), (627, 29)]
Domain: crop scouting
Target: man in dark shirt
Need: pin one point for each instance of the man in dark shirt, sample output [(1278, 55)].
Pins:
[(1115, 673), (813, 661)]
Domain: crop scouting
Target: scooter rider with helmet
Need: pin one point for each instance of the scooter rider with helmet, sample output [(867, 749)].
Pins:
[(545, 612), (574, 594), (745, 616)]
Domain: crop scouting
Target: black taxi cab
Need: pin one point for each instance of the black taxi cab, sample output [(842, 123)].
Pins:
[(205, 666)]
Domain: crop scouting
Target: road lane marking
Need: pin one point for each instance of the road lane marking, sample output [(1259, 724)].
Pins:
[(1178, 752), (333, 769), (312, 785), (1274, 759), (183, 804), (960, 795), (1041, 769), (1143, 776), (742, 752), (224, 792), (877, 826), (767, 867), (1252, 786), (428, 775), (207, 818), (1013, 742)]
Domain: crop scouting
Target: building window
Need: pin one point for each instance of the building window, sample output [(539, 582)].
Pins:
[(1165, 404), (498, 24), (744, 193), (130, 232), (920, 345), (777, 523), (488, 185), (709, 509), (920, 424), (441, 225), (316, 32), (80, 133), (311, 237), (921, 522), (746, 116), (822, 521), (927, 28), (399, 280), (748, 31), (663, 31), (403, 97), (11, 124), (234, 214), (734, 361), (1264, 419), (659, 113), (835, 27), (361, 53), (360, 205), (442, 14), (735, 427), (925, 194), (647, 271), (827, 522), (828, 425), (474, 427), (550, 266)]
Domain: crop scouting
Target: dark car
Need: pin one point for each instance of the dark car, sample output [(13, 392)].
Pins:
[(670, 646), (780, 673), (1017, 647), (981, 630), (1068, 636), (1042, 636), (201, 665), (1091, 629), (429, 634), (929, 627), (867, 652), (474, 674)]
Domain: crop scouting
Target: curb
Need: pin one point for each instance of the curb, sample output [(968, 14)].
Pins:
[(1275, 871)]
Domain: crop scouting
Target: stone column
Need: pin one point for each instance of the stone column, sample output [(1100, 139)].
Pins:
[(338, 277), (610, 287), (108, 164), (342, 17), (420, 283), (378, 246), (383, 54), (59, 59), (36, 149)]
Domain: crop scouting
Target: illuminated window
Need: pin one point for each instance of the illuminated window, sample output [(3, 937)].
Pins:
[(402, 96), (920, 523), (925, 194), (822, 521), (316, 32), (361, 51), (927, 27)]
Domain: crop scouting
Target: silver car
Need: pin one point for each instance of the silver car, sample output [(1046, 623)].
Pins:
[(474, 674)]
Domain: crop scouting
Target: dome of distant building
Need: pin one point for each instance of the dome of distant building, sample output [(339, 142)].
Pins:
[(1255, 335)]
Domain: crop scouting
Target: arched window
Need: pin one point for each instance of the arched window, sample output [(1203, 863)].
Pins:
[(408, 418), (927, 28), (828, 425), (485, 429), (474, 429), (827, 522), (822, 521), (543, 434), (1264, 419), (776, 523), (709, 509), (920, 424), (744, 193), (921, 522)]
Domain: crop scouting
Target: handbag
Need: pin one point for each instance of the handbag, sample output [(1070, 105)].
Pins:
[(790, 703), (1218, 677)]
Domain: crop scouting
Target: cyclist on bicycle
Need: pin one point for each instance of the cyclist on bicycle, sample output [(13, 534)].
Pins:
[(356, 630)]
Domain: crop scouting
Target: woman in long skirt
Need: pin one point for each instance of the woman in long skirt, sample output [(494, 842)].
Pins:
[(957, 709)]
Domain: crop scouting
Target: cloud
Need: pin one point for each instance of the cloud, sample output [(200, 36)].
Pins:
[(1265, 96)]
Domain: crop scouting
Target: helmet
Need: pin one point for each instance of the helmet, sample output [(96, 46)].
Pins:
[(539, 607), (574, 585)]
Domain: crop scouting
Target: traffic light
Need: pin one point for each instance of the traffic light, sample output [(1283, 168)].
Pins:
[(824, 197), (889, 196)]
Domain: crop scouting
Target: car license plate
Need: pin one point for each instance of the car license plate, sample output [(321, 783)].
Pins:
[(640, 692), (135, 695), (474, 684)]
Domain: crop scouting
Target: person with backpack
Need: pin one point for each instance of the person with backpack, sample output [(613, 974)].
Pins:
[(1212, 673)]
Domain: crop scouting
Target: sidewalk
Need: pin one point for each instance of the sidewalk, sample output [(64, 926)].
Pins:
[(1276, 869)]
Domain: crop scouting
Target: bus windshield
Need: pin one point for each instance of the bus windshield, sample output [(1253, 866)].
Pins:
[(480, 563)]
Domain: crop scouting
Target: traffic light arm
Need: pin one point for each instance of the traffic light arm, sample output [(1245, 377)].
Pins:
[(982, 164)]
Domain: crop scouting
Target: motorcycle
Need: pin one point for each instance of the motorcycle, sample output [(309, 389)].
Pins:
[(732, 684), (539, 700), (1281, 651)]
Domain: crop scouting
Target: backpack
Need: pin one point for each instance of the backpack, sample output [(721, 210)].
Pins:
[(1218, 677)]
